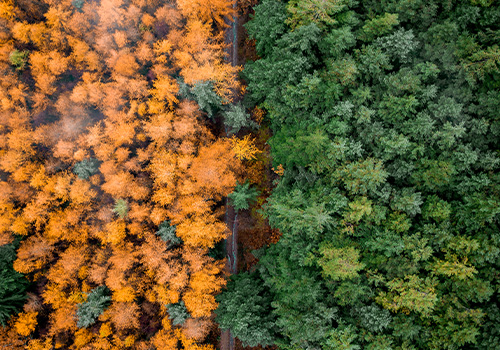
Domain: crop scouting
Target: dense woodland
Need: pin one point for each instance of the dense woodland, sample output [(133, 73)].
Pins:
[(386, 134), (121, 143), (112, 179)]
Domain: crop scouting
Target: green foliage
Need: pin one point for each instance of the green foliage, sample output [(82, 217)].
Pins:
[(13, 285), (304, 12), (341, 339), (378, 26), (78, 3), (90, 310), (267, 25), (121, 208), (178, 313), (363, 176), (204, 94), (373, 318), (235, 118), (410, 294), (86, 168), (19, 59), (242, 196), (167, 233), (339, 263), (245, 309), (384, 115)]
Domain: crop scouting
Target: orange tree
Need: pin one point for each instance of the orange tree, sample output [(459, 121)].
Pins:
[(108, 174)]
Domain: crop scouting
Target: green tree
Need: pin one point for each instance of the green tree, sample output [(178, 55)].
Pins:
[(19, 59), (235, 118), (88, 311), (121, 208), (267, 25), (204, 94), (242, 196), (178, 313), (166, 232), (13, 285), (245, 309), (86, 168), (78, 3)]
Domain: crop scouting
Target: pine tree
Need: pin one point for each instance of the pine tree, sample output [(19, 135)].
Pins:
[(13, 285), (242, 196), (86, 168), (166, 232), (90, 310), (235, 118), (178, 313)]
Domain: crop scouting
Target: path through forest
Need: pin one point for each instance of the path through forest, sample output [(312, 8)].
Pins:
[(230, 38)]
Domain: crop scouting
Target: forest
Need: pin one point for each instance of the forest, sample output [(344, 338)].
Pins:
[(358, 143), (385, 122), (113, 175)]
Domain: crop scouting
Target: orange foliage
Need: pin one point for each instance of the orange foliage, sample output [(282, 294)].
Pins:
[(213, 169), (197, 328), (202, 231), (207, 11), (199, 299), (124, 315), (100, 89), (26, 323)]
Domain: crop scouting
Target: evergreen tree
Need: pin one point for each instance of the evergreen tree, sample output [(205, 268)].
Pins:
[(121, 208), (90, 310), (242, 196), (19, 59), (178, 313), (167, 233), (235, 118), (245, 309), (204, 94), (86, 168), (13, 285)]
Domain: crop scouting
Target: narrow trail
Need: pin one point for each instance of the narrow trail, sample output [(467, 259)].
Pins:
[(231, 217)]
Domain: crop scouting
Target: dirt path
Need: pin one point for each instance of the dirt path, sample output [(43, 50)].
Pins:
[(231, 219)]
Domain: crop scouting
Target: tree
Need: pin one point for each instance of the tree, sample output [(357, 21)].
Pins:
[(204, 94), (13, 285), (177, 313), (86, 168), (267, 25), (166, 232), (121, 208), (245, 309), (88, 311), (242, 196), (320, 12), (19, 59), (236, 118)]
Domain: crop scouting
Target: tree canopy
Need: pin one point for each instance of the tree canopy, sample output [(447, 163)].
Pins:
[(385, 121)]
